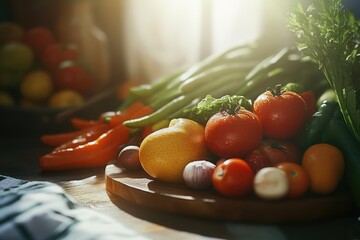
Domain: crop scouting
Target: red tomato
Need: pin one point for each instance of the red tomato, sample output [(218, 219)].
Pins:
[(38, 38), (233, 178), (55, 53), (233, 135), (298, 178), (281, 151), (75, 78), (282, 115)]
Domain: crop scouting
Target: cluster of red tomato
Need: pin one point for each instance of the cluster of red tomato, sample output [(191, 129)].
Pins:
[(250, 141), (60, 60)]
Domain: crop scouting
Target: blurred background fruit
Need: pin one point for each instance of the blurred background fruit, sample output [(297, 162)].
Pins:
[(15, 57), (55, 53), (34, 65), (38, 38), (71, 75), (37, 86), (66, 98)]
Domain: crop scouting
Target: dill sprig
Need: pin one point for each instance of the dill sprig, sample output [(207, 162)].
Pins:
[(329, 34)]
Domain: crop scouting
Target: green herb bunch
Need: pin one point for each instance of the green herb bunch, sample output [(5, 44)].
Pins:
[(329, 34)]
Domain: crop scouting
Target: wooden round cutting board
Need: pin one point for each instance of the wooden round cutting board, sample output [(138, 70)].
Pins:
[(139, 188)]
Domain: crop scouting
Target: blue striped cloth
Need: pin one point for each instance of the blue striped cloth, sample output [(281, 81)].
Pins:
[(42, 210)]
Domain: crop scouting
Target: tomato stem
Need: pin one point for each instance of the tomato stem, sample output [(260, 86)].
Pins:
[(231, 111), (277, 91)]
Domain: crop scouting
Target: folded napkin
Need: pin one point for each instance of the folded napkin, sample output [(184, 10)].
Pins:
[(43, 210)]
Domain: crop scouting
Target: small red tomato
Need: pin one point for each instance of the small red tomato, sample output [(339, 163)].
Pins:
[(298, 178), (38, 38), (233, 135), (282, 114), (75, 78), (56, 53), (233, 178)]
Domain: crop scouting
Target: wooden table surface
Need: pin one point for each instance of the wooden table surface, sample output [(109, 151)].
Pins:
[(19, 156)]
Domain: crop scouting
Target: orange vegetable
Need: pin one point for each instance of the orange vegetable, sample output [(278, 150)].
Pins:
[(325, 166)]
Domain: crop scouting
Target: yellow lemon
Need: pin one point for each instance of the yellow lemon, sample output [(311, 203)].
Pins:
[(165, 153)]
